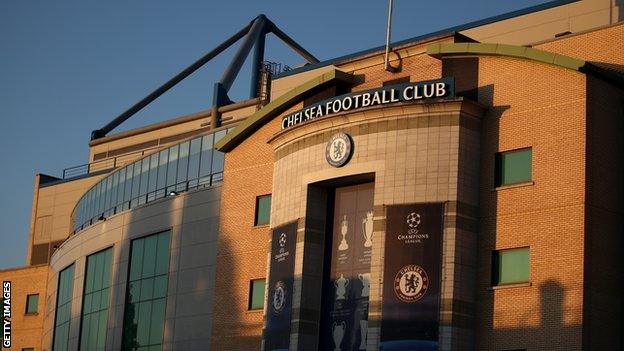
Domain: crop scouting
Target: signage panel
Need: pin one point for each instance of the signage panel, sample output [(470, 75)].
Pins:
[(412, 277), (433, 89), (280, 287), (344, 323)]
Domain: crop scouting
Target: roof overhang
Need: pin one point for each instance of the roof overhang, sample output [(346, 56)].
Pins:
[(280, 104)]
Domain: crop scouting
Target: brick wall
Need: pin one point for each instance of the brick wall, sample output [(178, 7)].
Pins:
[(26, 329)]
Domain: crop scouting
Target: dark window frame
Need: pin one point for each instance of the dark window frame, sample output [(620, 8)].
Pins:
[(495, 264), (257, 210), (251, 291), (36, 312), (498, 167)]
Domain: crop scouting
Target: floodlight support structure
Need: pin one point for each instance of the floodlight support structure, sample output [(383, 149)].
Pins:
[(254, 35)]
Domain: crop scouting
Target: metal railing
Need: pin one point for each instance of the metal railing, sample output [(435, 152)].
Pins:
[(101, 165)]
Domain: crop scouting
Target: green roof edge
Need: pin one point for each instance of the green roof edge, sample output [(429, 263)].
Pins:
[(262, 116), (473, 49)]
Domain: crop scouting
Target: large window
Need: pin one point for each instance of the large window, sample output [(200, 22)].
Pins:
[(144, 314), (32, 303), (63, 309), (185, 166), (263, 210), (256, 294), (513, 167), (510, 266), (95, 300)]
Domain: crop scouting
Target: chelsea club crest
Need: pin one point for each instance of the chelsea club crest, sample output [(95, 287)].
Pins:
[(339, 150), (279, 297)]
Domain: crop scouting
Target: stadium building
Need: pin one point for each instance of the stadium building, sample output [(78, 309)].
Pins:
[(465, 194)]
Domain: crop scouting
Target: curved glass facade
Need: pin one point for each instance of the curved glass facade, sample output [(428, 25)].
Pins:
[(188, 165)]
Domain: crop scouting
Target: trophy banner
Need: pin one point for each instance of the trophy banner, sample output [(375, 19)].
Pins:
[(412, 277), (346, 289), (280, 287)]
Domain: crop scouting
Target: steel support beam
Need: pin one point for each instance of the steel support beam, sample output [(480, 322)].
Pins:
[(293, 44), (99, 133), (256, 65)]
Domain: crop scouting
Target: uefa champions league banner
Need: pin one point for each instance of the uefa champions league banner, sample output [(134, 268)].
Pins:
[(280, 289), (412, 275)]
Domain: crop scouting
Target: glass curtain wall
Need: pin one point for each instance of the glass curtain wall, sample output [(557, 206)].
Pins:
[(95, 300), (144, 314), (63, 309), (186, 166)]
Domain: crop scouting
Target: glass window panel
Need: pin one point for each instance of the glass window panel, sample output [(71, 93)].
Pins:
[(162, 258), (158, 319), (134, 291), (32, 303), (113, 200), (193, 168), (128, 190), (136, 183), (144, 314), (96, 201), (205, 164), (102, 330), (183, 160), (153, 168), (102, 198), (137, 259), (172, 168), (86, 326), (513, 167), (160, 286), (98, 260), (144, 181), (86, 303), (95, 300), (149, 256), (63, 306), (109, 191), (144, 320), (162, 173), (263, 210), (511, 266), (92, 332), (147, 289), (120, 191), (256, 295)]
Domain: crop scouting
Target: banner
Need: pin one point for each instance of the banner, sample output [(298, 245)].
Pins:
[(280, 291), (344, 322), (412, 277)]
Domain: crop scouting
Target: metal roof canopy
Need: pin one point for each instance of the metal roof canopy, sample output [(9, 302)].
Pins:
[(254, 34)]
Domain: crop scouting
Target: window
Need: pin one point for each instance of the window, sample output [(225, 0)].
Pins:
[(256, 294), (95, 300), (63, 309), (513, 167), (263, 210), (28, 349), (32, 303), (144, 315), (510, 266)]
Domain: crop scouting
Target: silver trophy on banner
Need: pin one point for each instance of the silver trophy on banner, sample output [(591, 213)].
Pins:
[(341, 287), (367, 229), (365, 279), (338, 331), (363, 334), (344, 228)]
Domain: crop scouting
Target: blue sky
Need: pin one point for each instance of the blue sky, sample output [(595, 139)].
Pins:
[(68, 67)]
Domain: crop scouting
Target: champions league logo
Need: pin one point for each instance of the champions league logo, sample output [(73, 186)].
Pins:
[(338, 150), (279, 297), (413, 220), (411, 283)]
